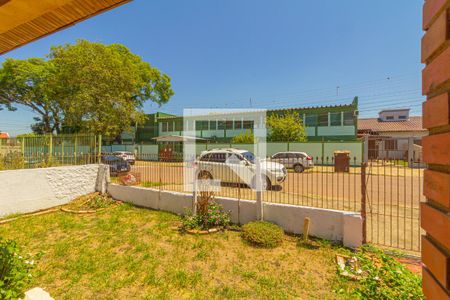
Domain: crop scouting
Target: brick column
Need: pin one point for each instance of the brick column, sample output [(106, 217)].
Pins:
[(435, 213)]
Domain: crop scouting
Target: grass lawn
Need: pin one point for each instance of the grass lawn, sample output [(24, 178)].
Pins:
[(128, 252)]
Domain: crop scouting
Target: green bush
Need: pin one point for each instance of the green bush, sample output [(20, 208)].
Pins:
[(384, 277), (12, 161), (263, 234), (14, 271), (246, 137), (214, 217)]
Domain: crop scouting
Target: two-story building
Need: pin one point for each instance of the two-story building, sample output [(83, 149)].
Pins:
[(393, 134), (322, 123)]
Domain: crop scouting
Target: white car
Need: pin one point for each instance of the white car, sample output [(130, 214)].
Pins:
[(238, 166), (126, 155), (299, 161)]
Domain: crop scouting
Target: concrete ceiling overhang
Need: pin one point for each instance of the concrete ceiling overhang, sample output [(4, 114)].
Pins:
[(23, 21)]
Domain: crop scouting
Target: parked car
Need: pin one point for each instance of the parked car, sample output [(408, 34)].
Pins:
[(116, 164), (238, 166), (299, 161), (126, 155)]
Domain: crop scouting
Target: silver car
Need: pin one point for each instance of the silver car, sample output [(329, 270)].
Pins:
[(299, 161)]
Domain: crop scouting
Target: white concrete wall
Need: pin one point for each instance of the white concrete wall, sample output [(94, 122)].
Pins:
[(333, 225), (29, 190)]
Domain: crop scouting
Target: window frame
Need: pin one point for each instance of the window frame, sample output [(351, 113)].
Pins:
[(333, 122)]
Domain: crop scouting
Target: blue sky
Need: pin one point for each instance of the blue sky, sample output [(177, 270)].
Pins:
[(278, 53)]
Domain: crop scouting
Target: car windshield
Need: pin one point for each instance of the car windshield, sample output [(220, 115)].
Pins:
[(249, 156), (112, 158)]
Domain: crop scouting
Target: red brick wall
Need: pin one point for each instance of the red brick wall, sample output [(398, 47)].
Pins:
[(435, 213)]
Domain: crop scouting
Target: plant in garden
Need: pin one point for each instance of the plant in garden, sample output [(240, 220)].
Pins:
[(11, 161), (14, 270), (213, 216), (383, 277), (263, 234)]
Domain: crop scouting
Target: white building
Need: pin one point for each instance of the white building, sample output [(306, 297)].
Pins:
[(393, 135)]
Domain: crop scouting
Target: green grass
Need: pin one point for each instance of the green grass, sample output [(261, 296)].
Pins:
[(128, 252)]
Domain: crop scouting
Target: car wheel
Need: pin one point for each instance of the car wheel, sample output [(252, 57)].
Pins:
[(266, 184), (299, 169)]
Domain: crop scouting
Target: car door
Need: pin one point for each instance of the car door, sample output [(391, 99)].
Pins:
[(282, 159), (291, 160), (217, 166), (239, 168)]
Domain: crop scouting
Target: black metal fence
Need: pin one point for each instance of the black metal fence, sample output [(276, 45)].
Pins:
[(386, 191)]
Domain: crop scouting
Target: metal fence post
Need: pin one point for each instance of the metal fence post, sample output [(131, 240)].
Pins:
[(50, 150), (363, 201), (99, 158), (194, 194), (258, 186)]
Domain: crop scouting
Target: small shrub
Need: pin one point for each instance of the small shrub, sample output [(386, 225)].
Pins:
[(11, 161), (14, 271), (213, 217), (263, 234), (91, 201)]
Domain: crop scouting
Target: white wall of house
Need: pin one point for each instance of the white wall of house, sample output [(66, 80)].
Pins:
[(29, 190)]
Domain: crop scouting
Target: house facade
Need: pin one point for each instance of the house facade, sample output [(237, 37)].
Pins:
[(322, 123), (393, 134)]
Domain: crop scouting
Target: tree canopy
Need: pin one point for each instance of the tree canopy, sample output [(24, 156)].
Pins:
[(246, 137), (83, 87), (286, 128)]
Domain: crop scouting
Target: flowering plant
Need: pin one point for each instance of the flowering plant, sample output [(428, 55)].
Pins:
[(214, 216)]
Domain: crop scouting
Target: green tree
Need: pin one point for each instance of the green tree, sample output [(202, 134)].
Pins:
[(246, 137), (286, 128), (25, 83), (87, 87)]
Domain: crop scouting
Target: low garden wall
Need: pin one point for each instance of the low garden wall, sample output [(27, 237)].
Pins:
[(334, 225), (29, 190)]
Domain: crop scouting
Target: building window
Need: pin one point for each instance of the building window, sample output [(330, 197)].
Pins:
[(389, 117), (198, 125), (213, 125), (178, 126), (221, 125), (390, 145), (348, 118), (323, 119), (311, 120), (335, 119), (237, 124), (164, 126), (201, 125), (170, 126), (248, 125), (229, 125), (402, 117)]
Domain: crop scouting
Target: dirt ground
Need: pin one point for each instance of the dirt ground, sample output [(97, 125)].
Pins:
[(393, 195)]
